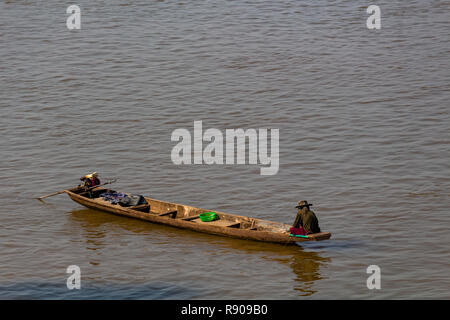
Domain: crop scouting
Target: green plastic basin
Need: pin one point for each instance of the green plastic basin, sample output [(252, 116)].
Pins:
[(207, 216)]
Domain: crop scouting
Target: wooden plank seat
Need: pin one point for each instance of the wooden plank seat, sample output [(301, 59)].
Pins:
[(236, 225), (173, 213), (142, 207), (220, 223), (190, 218)]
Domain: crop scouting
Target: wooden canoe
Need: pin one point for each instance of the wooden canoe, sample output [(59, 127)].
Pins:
[(187, 217)]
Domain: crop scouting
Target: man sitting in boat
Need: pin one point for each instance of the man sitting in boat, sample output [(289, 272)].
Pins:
[(306, 220), (89, 181)]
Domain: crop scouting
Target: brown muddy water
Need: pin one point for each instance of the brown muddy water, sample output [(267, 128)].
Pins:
[(363, 117)]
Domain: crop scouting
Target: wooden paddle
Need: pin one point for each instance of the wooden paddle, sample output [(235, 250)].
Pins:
[(51, 194), (63, 191)]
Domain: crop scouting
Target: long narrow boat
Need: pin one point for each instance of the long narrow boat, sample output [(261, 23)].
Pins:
[(187, 217)]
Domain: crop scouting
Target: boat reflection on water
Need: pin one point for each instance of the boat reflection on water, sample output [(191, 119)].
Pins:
[(304, 264), (104, 231)]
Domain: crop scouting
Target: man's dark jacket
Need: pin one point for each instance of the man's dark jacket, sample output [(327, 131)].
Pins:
[(307, 220)]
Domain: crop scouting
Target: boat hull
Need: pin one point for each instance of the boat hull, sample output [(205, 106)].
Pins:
[(257, 233)]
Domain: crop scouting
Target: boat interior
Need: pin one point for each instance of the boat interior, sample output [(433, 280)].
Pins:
[(188, 213)]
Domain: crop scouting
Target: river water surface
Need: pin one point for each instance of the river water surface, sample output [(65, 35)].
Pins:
[(364, 126)]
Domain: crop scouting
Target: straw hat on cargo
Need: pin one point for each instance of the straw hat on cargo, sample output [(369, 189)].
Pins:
[(90, 176)]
